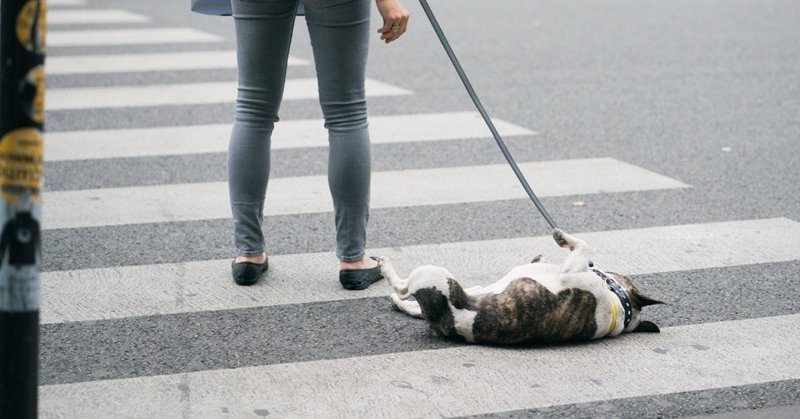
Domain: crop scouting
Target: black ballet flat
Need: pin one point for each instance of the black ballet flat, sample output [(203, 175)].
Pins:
[(360, 279), (247, 273)]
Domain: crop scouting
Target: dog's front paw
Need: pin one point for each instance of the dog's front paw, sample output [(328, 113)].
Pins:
[(566, 240), (561, 238)]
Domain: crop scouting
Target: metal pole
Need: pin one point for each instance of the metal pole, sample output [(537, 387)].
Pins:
[(22, 85)]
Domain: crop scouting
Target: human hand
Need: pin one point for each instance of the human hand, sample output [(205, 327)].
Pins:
[(395, 19)]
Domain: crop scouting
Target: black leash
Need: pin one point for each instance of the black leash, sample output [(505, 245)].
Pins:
[(485, 115)]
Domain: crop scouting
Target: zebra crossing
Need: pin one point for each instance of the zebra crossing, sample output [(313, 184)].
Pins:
[(395, 383), (332, 368), (90, 17), (185, 94), (195, 286), (66, 3), (199, 139), (119, 63), (105, 37), (299, 195)]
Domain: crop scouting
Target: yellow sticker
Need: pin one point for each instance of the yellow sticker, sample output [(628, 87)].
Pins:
[(33, 38), (21, 166), (36, 78)]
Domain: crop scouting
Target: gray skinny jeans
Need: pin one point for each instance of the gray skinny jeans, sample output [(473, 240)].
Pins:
[(339, 31)]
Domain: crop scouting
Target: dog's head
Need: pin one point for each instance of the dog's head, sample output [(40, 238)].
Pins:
[(638, 301)]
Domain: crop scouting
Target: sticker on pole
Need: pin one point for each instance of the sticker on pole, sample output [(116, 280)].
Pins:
[(21, 169), (32, 26), (21, 166), (31, 92), (19, 285)]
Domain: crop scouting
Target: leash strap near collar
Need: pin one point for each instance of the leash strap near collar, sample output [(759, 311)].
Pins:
[(615, 287)]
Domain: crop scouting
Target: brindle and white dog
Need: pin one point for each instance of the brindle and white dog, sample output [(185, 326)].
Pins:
[(534, 303)]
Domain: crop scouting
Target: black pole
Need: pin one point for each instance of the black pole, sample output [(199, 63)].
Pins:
[(22, 51), (484, 114)]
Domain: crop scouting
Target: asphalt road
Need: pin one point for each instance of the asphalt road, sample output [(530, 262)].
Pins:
[(705, 93)]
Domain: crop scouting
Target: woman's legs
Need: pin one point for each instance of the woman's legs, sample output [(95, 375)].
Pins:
[(339, 37), (263, 36)]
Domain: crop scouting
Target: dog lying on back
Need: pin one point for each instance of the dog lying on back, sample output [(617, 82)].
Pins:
[(534, 303)]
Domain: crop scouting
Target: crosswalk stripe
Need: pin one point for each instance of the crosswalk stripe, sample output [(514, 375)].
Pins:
[(107, 293), (309, 194), (125, 63), (458, 381), (202, 286), (185, 94), (51, 3), (103, 144), (69, 17), (127, 37)]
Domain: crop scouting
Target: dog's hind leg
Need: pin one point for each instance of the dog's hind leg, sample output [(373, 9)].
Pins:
[(407, 306), (400, 285), (578, 259)]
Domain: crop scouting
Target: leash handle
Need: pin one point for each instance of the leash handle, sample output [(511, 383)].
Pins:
[(484, 114)]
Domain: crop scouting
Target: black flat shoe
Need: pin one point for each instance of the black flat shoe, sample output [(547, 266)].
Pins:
[(247, 273), (360, 279)]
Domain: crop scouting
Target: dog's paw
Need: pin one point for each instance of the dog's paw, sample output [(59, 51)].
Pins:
[(566, 240), (409, 306), (561, 238)]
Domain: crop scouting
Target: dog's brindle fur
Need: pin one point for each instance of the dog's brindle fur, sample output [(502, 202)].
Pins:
[(551, 304)]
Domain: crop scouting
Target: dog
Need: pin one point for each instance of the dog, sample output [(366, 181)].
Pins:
[(534, 303)]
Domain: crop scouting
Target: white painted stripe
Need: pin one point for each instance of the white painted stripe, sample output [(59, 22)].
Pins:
[(107, 293), (71, 17), (124, 63), (127, 37), (185, 94), (80, 145), (51, 3), (301, 195), (458, 381)]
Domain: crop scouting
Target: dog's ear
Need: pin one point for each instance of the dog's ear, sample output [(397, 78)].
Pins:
[(647, 301), (646, 327), (640, 299)]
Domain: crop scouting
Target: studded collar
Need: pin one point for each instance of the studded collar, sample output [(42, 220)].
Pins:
[(617, 289)]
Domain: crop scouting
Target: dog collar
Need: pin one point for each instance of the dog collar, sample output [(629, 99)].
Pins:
[(614, 315), (617, 289)]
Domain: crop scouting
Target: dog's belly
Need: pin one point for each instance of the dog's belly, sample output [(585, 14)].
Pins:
[(526, 311), (545, 274)]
